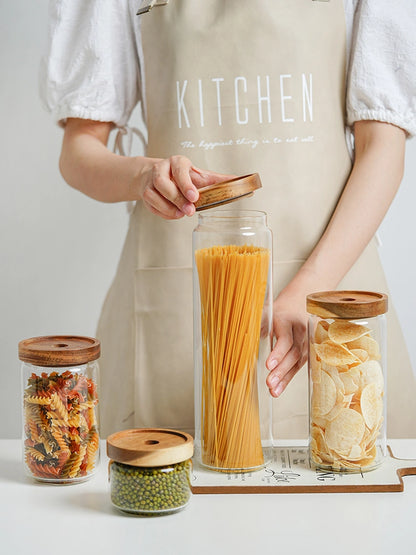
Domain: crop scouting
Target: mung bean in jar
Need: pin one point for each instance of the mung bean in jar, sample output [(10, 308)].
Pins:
[(150, 470)]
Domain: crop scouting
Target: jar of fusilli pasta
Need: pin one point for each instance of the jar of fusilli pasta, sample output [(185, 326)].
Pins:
[(232, 339), (150, 470), (60, 407)]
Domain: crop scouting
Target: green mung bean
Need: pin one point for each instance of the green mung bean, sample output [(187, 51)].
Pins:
[(158, 490)]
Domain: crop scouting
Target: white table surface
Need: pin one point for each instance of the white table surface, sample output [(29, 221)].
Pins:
[(79, 519)]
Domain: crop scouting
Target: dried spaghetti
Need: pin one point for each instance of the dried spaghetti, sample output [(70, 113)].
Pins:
[(232, 282)]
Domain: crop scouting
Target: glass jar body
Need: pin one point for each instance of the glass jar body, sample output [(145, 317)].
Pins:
[(60, 422), (233, 301), (150, 491), (347, 393)]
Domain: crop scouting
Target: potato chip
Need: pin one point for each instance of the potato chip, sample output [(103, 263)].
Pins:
[(333, 372), (344, 331), (318, 436), (368, 344), (351, 385), (323, 395), (346, 430), (315, 457), (319, 421), (333, 413), (315, 365), (346, 403), (334, 354), (321, 332), (355, 452), (371, 372), (371, 405), (347, 396), (361, 354)]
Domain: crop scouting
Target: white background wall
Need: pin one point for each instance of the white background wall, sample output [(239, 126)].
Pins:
[(59, 249)]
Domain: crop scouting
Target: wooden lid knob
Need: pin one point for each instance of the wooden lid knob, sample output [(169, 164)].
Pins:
[(147, 447), (59, 350), (347, 304), (227, 191)]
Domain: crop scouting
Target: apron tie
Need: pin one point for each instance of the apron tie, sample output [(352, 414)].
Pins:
[(125, 150)]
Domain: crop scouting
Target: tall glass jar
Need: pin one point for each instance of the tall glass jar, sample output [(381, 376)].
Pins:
[(60, 417), (232, 339), (347, 380)]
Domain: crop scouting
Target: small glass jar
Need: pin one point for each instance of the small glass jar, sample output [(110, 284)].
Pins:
[(60, 416), (232, 339), (150, 470), (347, 380)]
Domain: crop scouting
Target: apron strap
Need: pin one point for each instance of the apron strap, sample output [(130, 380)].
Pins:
[(125, 150)]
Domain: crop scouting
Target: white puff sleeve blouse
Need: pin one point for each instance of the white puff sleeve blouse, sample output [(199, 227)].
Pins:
[(382, 64), (92, 68)]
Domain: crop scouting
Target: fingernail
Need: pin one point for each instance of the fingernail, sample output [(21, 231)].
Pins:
[(274, 380), (191, 195), (278, 390), (189, 209), (272, 364)]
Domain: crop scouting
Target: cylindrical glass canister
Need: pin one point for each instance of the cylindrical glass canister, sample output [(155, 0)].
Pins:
[(150, 470), (233, 302), (60, 414), (347, 380)]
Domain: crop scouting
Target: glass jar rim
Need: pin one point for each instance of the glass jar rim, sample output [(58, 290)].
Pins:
[(232, 214)]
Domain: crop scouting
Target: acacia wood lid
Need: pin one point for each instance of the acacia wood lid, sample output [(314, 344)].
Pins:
[(347, 304), (227, 191), (147, 447), (59, 350)]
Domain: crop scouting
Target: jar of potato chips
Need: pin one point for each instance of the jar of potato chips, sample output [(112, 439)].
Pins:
[(347, 381), (60, 420)]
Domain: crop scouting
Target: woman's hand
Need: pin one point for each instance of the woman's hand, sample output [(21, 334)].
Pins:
[(289, 353), (169, 187)]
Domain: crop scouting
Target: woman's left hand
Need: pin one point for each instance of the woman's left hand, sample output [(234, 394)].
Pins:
[(289, 353)]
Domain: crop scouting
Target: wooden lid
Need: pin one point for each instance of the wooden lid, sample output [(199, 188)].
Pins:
[(227, 191), (59, 350), (347, 304), (148, 447)]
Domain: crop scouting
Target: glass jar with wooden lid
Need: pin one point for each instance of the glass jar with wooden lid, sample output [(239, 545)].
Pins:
[(233, 306), (150, 470), (347, 380), (60, 407)]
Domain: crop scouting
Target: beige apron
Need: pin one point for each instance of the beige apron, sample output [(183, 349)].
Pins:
[(238, 87)]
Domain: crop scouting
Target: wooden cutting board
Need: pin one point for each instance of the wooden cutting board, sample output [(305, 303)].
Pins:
[(290, 472)]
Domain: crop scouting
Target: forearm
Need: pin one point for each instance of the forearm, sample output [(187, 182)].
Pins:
[(89, 166), (371, 187)]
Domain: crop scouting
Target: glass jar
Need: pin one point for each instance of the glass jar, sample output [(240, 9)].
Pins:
[(347, 380), (60, 416), (232, 339), (150, 470)]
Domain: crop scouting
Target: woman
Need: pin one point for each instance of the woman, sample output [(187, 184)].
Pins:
[(276, 87)]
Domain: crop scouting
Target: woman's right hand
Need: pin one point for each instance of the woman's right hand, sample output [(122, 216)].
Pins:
[(169, 187)]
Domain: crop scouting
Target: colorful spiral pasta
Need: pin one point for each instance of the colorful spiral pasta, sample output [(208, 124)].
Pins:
[(60, 425)]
